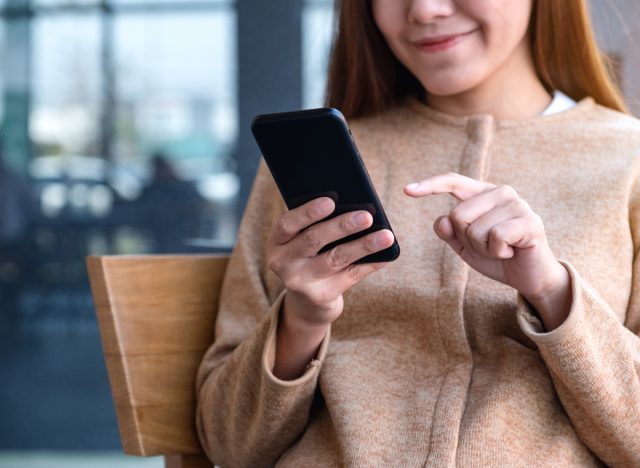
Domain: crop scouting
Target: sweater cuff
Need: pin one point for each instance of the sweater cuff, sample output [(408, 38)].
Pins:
[(582, 307), (269, 353)]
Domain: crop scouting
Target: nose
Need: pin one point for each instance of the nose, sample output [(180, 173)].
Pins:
[(426, 11)]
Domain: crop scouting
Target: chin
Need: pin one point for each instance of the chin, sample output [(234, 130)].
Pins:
[(449, 84), (446, 89)]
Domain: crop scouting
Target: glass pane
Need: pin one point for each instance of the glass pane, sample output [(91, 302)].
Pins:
[(39, 3), (4, 64), (176, 122), (317, 30), (66, 85), (50, 221), (175, 2), (14, 3)]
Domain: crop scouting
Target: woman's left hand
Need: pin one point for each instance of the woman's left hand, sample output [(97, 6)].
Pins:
[(497, 233)]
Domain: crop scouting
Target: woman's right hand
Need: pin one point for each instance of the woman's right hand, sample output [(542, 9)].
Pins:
[(315, 282)]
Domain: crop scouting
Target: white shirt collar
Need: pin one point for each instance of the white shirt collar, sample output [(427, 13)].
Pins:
[(560, 103)]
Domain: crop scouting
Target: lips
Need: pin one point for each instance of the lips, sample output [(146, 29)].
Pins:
[(435, 43)]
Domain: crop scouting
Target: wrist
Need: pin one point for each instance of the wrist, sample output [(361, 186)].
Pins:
[(308, 317), (297, 343), (553, 303), (297, 329)]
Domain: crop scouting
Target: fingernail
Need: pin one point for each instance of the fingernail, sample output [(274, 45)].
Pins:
[(412, 186), (360, 219)]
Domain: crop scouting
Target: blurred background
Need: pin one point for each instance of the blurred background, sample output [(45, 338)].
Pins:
[(124, 128)]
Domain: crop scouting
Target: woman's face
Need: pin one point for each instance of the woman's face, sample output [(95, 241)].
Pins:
[(453, 46)]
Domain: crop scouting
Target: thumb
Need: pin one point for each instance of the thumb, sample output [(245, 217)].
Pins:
[(444, 230)]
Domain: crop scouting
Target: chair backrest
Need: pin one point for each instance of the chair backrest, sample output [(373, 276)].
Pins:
[(156, 316)]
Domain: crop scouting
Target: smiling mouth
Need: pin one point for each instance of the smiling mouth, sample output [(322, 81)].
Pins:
[(439, 43)]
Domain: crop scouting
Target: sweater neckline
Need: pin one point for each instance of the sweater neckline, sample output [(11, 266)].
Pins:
[(430, 113)]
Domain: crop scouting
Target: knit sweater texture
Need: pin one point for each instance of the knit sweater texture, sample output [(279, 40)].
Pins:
[(432, 363)]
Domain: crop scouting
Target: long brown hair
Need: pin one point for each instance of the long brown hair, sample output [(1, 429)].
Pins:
[(365, 77)]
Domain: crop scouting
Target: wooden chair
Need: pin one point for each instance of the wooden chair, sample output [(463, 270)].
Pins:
[(156, 316)]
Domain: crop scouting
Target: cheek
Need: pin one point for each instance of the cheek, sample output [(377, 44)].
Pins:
[(505, 24), (388, 16)]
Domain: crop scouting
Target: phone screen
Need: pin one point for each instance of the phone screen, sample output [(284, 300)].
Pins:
[(311, 154)]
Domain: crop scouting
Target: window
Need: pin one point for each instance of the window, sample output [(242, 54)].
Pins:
[(317, 31), (119, 136)]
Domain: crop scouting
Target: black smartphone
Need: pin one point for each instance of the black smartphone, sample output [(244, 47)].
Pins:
[(311, 154)]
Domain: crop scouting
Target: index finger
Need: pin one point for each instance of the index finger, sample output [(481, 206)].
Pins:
[(461, 187), (293, 221)]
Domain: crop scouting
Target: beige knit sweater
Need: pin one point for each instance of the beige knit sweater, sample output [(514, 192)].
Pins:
[(431, 363)]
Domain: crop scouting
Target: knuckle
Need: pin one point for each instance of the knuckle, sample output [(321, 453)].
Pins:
[(457, 216), (337, 258), (474, 233), (308, 214), (522, 205), (283, 225), (311, 238), (276, 265), (281, 267), (369, 243), (273, 264), (354, 273), (345, 223), (496, 234), (537, 221), (508, 191)]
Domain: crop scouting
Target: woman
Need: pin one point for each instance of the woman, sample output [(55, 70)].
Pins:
[(507, 335)]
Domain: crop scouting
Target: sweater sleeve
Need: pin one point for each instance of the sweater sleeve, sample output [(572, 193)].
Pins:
[(245, 415), (594, 361)]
